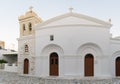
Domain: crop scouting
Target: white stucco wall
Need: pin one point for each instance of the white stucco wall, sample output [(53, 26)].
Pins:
[(70, 39), (74, 37)]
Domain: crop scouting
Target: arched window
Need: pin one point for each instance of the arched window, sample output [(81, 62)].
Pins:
[(26, 48), (24, 27), (30, 26)]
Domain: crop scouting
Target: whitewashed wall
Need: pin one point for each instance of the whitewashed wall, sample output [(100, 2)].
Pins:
[(70, 39)]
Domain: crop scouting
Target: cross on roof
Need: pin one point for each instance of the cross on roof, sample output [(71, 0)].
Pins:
[(30, 8), (71, 9)]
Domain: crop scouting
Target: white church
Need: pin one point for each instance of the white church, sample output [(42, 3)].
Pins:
[(69, 45)]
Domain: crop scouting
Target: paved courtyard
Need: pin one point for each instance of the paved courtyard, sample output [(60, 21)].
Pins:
[(14, 78)]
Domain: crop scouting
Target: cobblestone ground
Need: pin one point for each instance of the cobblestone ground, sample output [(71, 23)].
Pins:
[(14, 78)]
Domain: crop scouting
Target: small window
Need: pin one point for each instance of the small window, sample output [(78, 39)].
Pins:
[(24, 27), (56, 61), (26, 48), (51, 37), (52, 61), (30, 26)]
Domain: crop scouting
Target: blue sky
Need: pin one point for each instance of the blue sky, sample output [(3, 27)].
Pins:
[(10, 11)]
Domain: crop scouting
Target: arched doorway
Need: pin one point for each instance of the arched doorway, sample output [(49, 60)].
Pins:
[(89, 65), (54, 64), (118, 66), (26, 66)]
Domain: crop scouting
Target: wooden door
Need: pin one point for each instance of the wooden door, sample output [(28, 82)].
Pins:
[(54, 64), (118, 66), (89, 65), (26, 66)]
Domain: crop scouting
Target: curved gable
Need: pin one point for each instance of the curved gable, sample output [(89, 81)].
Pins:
[(51, 48), (73, 19)]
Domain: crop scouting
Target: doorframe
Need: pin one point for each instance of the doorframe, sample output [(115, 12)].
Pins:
[(117, 59), (26, 61), (91, 56), (56, 55)]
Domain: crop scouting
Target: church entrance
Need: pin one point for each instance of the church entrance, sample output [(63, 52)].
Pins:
[(26, 66), (118, 66), (89, 65), (54, 64)]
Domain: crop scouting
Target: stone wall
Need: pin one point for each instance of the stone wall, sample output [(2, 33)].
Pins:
[(14, 78)]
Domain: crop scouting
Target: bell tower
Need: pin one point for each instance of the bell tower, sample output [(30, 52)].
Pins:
[(26, 42), (27, 22)]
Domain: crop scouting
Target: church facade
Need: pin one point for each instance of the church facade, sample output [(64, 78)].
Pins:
[(71, 45)]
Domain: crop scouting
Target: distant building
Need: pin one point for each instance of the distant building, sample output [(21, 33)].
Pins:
[(71, 44), (9, 56), (2, 44)]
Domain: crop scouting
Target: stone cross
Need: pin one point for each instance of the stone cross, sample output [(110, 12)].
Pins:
[(71, 9), (110, 20), (30, 8)]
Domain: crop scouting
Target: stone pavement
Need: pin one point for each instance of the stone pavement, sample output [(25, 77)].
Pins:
[(14, 78)]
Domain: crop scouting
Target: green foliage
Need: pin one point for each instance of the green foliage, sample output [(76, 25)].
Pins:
[(2, 61)]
